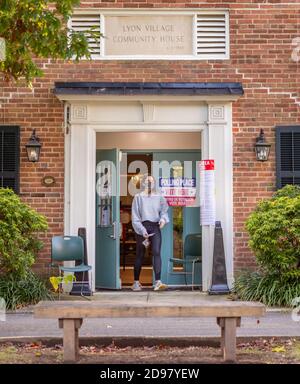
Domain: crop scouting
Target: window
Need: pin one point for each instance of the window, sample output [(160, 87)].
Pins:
[(150, 35), (9, 157), (288, 155)]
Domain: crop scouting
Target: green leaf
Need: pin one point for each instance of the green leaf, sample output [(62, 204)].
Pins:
[(20, 227), (32, 29)]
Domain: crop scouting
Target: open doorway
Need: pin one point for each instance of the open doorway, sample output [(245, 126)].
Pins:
[(115, 254), (127, 238)]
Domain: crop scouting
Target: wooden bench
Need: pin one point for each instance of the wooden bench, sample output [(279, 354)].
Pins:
[(70, 314)]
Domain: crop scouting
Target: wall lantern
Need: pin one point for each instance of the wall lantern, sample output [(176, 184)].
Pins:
[(33, 148), (262, 149)]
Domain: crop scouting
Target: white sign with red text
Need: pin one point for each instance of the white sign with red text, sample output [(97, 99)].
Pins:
[(179, 192), (207, 192)]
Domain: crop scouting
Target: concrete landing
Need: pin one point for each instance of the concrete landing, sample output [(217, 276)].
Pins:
[(274, 323)]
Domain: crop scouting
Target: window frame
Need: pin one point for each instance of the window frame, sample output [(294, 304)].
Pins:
[(279, 173), (16, 173)]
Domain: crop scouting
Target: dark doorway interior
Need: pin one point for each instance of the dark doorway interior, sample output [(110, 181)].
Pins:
[(127, 241)]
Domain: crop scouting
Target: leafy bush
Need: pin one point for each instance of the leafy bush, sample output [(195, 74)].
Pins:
[(287, 191), (20, 292), (274, 231), (19, 227), (269, 289)]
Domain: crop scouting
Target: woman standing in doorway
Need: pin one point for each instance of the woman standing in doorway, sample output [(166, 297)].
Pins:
[(149, 216)]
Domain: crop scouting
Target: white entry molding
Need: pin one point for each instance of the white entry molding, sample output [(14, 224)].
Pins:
[(91, 114)]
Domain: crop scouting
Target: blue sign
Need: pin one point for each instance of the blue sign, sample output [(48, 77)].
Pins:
[(177, 182)]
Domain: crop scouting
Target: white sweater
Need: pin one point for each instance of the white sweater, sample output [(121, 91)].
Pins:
[(152, 207)]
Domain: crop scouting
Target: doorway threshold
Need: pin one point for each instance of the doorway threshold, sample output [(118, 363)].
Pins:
[(149, 288)]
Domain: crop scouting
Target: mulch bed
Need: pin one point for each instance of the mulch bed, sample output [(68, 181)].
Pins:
[(270, 351)]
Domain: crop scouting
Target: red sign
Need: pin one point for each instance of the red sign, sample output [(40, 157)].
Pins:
[(180, 201), (208, 165)]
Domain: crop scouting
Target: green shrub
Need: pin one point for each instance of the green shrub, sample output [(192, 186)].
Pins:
[(274, 232), (19, 228), (268, 289), (20, 292), (274, 229), (287, 191)]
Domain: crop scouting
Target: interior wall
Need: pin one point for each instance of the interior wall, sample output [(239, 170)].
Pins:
[(149, 140)]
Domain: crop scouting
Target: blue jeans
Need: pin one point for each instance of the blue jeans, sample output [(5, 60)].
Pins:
[(155, 244)]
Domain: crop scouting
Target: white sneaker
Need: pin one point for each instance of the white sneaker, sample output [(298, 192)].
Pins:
[(136, 286), (159, 286)]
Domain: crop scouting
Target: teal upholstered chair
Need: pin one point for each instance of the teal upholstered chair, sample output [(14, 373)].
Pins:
[(191, 255), (69, 248)]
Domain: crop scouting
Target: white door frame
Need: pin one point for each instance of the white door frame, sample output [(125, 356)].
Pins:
[(80, 160)]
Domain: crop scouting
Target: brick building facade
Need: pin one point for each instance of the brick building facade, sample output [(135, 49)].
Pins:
[(262, 59)]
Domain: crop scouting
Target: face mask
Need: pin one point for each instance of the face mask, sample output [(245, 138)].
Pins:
[(150, 185)]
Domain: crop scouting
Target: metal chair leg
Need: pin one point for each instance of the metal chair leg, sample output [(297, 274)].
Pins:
[(59, 285), (168, 271), (193, 271), (91, 285), (83, 276), (81, 291)]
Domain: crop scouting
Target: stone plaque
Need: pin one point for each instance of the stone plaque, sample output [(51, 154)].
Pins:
[(149, 35)]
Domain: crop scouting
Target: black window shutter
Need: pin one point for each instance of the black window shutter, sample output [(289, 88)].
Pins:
[(287, 155), (9, 157)]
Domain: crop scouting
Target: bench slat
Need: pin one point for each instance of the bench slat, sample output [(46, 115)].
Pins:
[(105, 308), (72, 313)]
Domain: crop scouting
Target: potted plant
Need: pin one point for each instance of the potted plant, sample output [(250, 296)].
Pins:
[(65, 281)]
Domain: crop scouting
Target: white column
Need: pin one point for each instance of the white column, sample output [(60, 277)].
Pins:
[(82, 186), (217, 145), (67, 154), (207, 231)]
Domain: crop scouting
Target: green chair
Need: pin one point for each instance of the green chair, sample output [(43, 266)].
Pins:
[(69, 248), (191, 255)]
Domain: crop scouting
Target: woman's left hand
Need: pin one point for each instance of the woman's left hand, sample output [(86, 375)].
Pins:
[(161, 223)]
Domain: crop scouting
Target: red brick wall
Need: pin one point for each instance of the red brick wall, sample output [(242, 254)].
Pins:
[(261, 34)]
